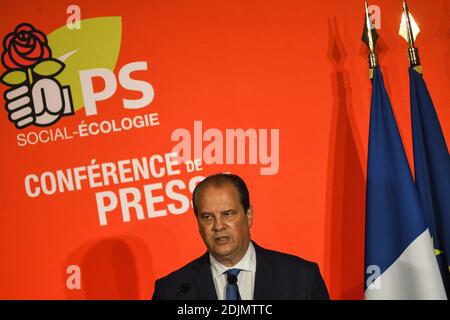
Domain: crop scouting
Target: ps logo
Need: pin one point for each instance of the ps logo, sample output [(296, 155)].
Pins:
[(42, 105), (36, 97)]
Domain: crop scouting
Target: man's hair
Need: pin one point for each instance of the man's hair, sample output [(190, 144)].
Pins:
[(218, 180)]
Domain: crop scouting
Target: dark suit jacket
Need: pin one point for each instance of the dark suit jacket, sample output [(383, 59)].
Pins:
[(278, 276)]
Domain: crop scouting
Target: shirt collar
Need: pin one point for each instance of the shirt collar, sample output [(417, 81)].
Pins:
[(247, 263)]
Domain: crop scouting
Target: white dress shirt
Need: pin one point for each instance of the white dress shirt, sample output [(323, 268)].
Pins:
[(246, 278)]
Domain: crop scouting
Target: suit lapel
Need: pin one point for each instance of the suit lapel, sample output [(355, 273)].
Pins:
[(264, 276), (203, 279)]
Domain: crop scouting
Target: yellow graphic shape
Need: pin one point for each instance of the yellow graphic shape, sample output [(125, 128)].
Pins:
[(95, 45)]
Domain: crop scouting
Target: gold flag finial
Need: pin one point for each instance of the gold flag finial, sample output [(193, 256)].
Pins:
[(409, 31), (370, 37)]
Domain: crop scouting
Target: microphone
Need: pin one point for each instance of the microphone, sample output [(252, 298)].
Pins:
[(185, 288), (232, 279)]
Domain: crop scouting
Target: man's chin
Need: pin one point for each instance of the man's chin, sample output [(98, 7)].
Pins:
[(222, 252)]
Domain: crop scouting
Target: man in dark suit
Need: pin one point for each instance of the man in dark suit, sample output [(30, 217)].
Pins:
[(235, 267)]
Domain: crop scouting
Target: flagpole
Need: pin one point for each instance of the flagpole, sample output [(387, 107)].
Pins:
[(373, 60), (409, 36), (408, 25)]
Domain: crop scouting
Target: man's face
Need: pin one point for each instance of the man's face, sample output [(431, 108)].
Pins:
[(223, 223)]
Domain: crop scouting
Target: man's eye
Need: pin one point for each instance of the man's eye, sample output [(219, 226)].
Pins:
[(206, 217)]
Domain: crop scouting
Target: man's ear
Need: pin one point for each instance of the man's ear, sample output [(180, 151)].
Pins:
[(250, 216)]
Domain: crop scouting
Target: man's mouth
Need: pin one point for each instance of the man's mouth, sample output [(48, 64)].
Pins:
[(221, 239)]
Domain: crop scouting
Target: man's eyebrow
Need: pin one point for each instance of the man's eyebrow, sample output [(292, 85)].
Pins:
[(229, 211)]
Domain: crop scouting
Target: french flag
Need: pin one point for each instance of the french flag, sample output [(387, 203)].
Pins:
[(399, 256)]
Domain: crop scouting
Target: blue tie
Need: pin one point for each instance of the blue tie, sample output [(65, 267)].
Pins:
[(232, 287)]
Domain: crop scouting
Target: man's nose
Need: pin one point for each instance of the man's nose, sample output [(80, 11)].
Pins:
[(218, 224)]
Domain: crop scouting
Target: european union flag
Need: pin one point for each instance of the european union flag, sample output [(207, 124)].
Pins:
[(399, 257), (432, 170)]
